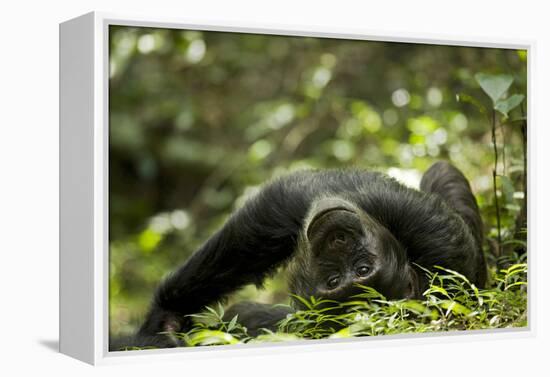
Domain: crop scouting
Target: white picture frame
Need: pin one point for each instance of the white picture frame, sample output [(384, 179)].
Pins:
[(84, 68)]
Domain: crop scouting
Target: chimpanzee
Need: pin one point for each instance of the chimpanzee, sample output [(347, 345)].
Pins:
[(334, 229)]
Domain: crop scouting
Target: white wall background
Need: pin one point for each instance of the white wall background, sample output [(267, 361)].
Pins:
[(29, 185)]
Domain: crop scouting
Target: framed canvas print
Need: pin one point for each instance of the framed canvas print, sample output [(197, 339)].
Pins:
[(225, 188)]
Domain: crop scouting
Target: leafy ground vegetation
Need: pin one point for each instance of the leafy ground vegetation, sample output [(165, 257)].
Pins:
[(199, 120), (451, 303)]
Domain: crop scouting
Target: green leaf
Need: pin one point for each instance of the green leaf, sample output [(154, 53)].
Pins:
[(211, 337), (344, 333), (494, 85), (455, 307), (504, 106), (305, 302), (415, 306), (233, 323)]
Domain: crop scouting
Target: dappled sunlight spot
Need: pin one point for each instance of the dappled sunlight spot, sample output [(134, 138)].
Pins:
[(419, 150), (372, 121), (160, 223), (390, 117), (184, 120), (196, 51), (400, 97), (146, 43), (518, 195), (439, 137), (282, 115), (180, 219), (434, 97), (321, 77), (481, 183), (270, 116), (125, 43), (423, 125), (260, 150), (351, 128), (409, 177), (168, 221), (343, 150), (366, 116), (315, 80), (123, 47), (433, 150), (426, 136), (456, 153), (406, 154), (459, 122)]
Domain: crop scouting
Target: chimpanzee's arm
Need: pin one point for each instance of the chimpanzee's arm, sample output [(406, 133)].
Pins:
[(252, 244)]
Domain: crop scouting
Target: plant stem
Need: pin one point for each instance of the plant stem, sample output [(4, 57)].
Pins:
[(493, 131), (521, 219), (524, 144), (503, 136)]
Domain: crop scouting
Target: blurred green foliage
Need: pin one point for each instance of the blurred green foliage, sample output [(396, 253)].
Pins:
[(199, 120)]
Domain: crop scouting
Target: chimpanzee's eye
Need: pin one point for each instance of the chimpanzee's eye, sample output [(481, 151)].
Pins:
[(363, 270), (333, 282)]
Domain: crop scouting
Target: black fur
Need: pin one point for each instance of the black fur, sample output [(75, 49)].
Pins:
[(439, 225)]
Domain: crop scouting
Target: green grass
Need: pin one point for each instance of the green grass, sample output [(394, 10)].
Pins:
[(451, 303)]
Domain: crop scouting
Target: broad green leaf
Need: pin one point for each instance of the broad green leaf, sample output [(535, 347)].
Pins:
[(494, 85), (504, 106)]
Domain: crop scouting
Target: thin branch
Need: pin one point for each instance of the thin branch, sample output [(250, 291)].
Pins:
[(497, 208)]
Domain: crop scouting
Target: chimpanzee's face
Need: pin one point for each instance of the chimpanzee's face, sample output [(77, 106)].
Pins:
[(341, 248)]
